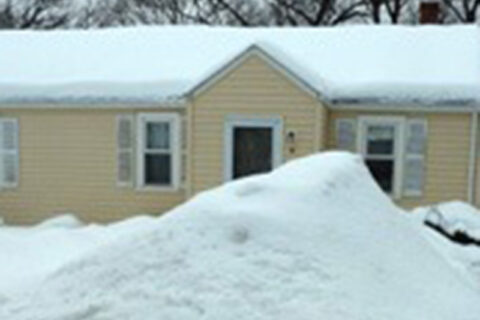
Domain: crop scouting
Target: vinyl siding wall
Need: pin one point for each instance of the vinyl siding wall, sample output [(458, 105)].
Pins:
[(68, 165), (254, 89), (68, 156), (447, 158)]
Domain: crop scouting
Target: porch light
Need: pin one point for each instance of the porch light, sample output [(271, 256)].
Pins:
[(290, 140)]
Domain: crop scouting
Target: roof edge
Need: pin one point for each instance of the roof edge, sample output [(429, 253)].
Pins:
[(92, 104), (461, 106)]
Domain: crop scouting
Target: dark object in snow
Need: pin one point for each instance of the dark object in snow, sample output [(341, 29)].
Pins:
[(459, 237)]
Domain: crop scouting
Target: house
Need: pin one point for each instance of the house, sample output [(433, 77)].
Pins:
[(115, 122)]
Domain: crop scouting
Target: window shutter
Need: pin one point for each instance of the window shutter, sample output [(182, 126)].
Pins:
[(414, 164), (125, 150), (347, 134), (8, 153)]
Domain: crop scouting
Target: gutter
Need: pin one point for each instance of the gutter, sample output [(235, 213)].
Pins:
[(403, 107), (179, 102), (472, 167)]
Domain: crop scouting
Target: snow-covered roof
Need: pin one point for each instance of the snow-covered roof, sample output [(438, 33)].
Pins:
[(382, 63)]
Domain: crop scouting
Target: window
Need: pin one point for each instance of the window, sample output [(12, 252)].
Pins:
[(394, 149), (159, 150), (381, 145), (8, 153)]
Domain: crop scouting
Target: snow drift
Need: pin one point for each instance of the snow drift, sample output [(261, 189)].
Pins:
[(453, 217), (315, 239)]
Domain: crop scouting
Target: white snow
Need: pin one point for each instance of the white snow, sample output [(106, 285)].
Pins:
[(428, 63), (315, 239), (452, 217), (29, 255), (68, 221), (455, 216), (465, 258)]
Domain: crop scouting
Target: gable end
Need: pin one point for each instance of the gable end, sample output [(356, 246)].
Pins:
[(253, 51)]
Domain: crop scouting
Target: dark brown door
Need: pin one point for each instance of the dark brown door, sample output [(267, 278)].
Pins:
[(252, 150)]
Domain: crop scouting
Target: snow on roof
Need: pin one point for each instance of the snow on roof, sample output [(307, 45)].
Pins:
[(427, 63)]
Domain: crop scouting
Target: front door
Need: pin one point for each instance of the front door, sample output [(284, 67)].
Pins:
[(252, 151), (253, 146)]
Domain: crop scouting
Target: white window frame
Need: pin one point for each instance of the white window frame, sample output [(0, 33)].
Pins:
[(15, 152), (234, 121), (175, 149), (399, 145)]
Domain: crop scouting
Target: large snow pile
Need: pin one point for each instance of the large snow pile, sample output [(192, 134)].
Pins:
[(315, 239), (426, 63)]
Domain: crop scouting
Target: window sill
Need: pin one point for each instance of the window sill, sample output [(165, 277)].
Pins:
[(171, 189), (9, 187), (412, 195)]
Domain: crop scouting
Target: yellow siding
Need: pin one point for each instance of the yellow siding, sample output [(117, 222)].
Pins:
[(252, 89), (68, 164), (68, 156), (447, 162), (476, 195)]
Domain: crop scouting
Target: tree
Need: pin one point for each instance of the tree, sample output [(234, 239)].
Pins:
[(105, 13), (395, 11), (464, 11), (249, 13), (211, 12), (317, 12), (33, 14)]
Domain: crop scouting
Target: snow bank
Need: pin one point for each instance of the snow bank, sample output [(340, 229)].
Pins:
[(33, 253), (466, 259), (315, 239), (427, 63), (453, 217), (28, 255), (68, 221)]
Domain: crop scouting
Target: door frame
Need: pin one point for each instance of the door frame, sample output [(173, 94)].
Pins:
[(234, 121)]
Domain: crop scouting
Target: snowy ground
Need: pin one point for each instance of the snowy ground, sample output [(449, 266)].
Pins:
[(31, 254), (316, 239)]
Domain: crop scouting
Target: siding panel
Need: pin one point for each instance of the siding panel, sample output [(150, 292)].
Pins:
[(68, 165)]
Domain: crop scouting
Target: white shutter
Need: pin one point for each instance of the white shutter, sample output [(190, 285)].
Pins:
[(346, 134), (125, 150), (8, 153), (414, 162)]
